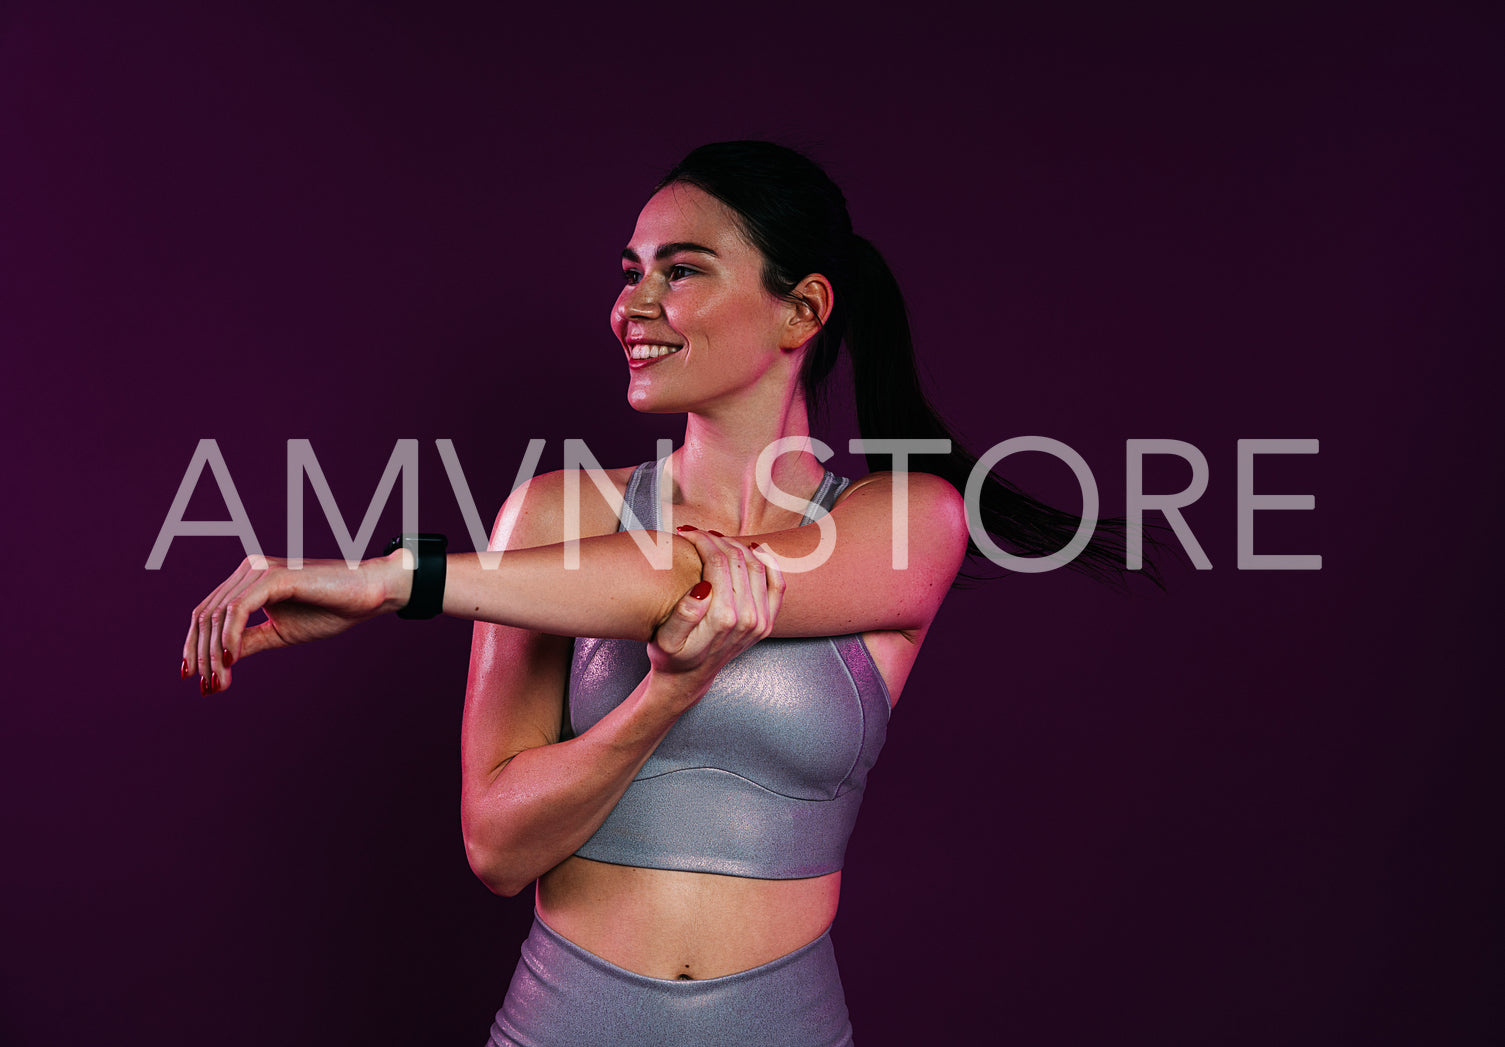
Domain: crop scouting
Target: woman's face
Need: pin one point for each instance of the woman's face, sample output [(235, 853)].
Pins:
[(697, 325)]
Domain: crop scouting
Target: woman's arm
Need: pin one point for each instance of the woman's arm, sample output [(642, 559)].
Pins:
[(528, 800), (528, 804), (616, 591), (864, 583)]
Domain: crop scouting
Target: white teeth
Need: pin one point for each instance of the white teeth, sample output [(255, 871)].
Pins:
[(653, 352)]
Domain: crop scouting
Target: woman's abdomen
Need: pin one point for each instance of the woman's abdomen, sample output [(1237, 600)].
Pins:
[(669, 924)]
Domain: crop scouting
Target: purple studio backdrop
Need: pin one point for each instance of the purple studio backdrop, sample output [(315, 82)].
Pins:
[(1260, 807)]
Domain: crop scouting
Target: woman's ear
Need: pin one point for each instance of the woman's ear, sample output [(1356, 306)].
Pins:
[(812, 301)]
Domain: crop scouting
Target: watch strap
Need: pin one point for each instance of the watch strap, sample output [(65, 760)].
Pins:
[(427, 596)]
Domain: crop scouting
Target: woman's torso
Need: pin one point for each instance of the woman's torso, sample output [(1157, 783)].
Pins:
[(669, 923)]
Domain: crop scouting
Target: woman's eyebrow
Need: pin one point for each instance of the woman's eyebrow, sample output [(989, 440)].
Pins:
[(665, 250)]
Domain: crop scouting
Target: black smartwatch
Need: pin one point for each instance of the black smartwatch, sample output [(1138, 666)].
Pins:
[(427, 598)]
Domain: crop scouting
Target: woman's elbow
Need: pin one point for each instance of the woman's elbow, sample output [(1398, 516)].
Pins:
[(491, 868), (494, 862), (506, 888)]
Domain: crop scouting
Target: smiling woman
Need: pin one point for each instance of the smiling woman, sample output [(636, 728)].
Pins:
[(698, 324), (681, 780)]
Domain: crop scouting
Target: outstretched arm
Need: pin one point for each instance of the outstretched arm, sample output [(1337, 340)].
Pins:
[(615, 591), (860, 585)]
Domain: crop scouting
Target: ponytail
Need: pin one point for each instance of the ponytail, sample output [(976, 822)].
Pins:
[(892, 404), (797, 218)]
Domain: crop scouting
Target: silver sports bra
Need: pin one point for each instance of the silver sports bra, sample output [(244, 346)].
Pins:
[(763, 776)]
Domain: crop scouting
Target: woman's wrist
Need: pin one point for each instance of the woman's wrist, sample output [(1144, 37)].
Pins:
[(675, 692), (393, 573)]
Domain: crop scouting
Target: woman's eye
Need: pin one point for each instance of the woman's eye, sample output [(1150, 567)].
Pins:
[(674, 272)]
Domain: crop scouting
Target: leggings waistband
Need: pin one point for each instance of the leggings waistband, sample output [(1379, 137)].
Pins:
[(563, 996)]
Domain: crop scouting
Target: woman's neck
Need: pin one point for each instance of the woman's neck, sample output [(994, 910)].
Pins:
[(715, 470)]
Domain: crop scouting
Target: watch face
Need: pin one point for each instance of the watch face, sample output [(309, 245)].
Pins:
[(426, 542)]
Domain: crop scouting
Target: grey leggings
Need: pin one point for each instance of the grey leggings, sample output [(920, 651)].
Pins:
[(563, 996)]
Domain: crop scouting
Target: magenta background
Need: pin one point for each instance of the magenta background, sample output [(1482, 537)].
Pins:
[(1262, 808)]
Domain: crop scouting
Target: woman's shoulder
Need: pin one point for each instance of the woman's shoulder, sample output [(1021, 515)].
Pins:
[(925, 491), (538, 512), (900, 503)]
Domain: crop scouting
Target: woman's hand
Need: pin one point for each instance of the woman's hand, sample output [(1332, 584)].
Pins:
[(732, 607), (320, 599)]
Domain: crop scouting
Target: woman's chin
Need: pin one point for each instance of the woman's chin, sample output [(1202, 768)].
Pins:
[(654, 409), (644, 401)]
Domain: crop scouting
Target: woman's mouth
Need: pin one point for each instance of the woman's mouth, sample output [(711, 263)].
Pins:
[(647, 351)]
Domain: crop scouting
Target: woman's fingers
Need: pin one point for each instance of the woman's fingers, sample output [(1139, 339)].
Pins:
[(200, 630), (773, 582), (219, 676), (191, 646), (214, 642), (319, 600), (750, 606), (724, 565), (249, 596), (712, 549), (687, 614), (263, 636), (203, 631), (193, 652), (731, 608), (207, 627)]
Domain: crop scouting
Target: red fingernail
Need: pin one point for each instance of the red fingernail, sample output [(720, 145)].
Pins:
[(213, 682), (752, 545), (183, 672), (702, 590), (718, 534), (229, 658), (203, 685), (686, 527)]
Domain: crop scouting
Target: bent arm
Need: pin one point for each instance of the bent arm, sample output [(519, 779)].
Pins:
[(529, 800)]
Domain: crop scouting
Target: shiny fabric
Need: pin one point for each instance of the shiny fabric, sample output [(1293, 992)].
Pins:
[(563, 996), (764, 775)]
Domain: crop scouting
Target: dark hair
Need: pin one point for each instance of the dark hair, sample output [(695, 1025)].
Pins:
[(792, 211)]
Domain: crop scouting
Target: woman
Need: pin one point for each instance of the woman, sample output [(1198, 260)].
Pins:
[(681, 798)]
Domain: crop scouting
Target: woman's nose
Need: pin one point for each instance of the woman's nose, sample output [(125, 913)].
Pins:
[(641, 300)]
